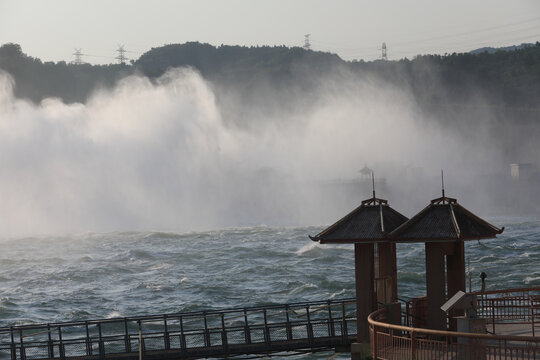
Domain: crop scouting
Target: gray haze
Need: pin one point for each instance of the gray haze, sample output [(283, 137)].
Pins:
[(353, 29), (165, 156)]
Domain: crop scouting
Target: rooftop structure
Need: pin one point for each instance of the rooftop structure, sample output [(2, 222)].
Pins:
[(443, 226), (367, 227)]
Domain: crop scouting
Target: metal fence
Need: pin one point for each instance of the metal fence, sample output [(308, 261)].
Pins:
[(513, 306), (496, 306), (322, 324)]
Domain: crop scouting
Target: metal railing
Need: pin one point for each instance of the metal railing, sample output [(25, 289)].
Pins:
[(496, 306), (507, 306), (389, 341), (219, 333)]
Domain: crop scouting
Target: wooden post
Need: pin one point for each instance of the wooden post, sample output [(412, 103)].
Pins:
[(365, 293), (413, 345), (455, 271), (387, 288), (455, 263), (435, 284)]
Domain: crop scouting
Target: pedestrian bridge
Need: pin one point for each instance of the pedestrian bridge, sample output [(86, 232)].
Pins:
[(306, 326)]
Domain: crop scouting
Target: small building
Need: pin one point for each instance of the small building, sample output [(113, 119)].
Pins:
[(444, 226), (367, 227), (521, 170)]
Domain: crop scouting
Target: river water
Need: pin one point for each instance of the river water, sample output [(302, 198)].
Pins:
[(99, 275)]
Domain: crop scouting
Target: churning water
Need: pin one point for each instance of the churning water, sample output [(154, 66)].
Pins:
[(47, 279)]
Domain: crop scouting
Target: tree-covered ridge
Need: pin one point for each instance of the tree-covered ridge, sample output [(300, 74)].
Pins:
[(36, 80), (504, 78)]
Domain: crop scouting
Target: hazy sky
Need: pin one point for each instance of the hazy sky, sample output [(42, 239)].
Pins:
[(52, 29)]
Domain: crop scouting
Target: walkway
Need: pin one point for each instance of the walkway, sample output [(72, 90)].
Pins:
[(217, 333)]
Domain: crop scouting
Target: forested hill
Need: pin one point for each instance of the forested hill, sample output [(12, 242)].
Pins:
[(504, 78)]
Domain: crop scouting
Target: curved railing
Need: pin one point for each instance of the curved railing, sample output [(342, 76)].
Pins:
[(391, 341)]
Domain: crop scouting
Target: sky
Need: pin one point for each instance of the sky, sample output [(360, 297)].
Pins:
[(53, 29)]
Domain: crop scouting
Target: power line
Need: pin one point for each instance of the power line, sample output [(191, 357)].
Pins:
[(493, 36), (469, 32)]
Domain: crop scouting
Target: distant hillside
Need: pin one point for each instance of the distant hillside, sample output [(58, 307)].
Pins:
[(491, 50), (36, 80), (502, 78)]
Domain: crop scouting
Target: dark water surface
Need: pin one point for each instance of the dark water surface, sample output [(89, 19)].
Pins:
[(48, 279)]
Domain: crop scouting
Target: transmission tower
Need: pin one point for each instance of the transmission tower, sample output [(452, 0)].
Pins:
[(78, 57), (307, 45), (121, 55), (384, 57)]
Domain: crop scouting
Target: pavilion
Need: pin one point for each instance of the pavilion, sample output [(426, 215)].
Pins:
[(367, 227), (444, 226)]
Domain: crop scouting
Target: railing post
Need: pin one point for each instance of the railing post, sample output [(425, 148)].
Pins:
[(101, 345), (224, 342), (266, 330), (141, 342), (344, 330), (166, 339), (182, 336), (61, 349), (493, 314), (375, 349), (309, 326), (407, 315), (288, 327), (391, 349), (206, 332), (127, 340), (247, 331), (13, 346), (331, 329), (413, 345), (88, 342), (23, 355), (50, 343)]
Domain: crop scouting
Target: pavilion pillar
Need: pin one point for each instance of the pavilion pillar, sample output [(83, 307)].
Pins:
[(387, 282), (455, 272), (365, 293), (435, 285), (455, 265)]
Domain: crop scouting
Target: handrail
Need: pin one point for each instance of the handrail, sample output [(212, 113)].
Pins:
[(205, 313), (503, 291), (373, 322), (284, 327)]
